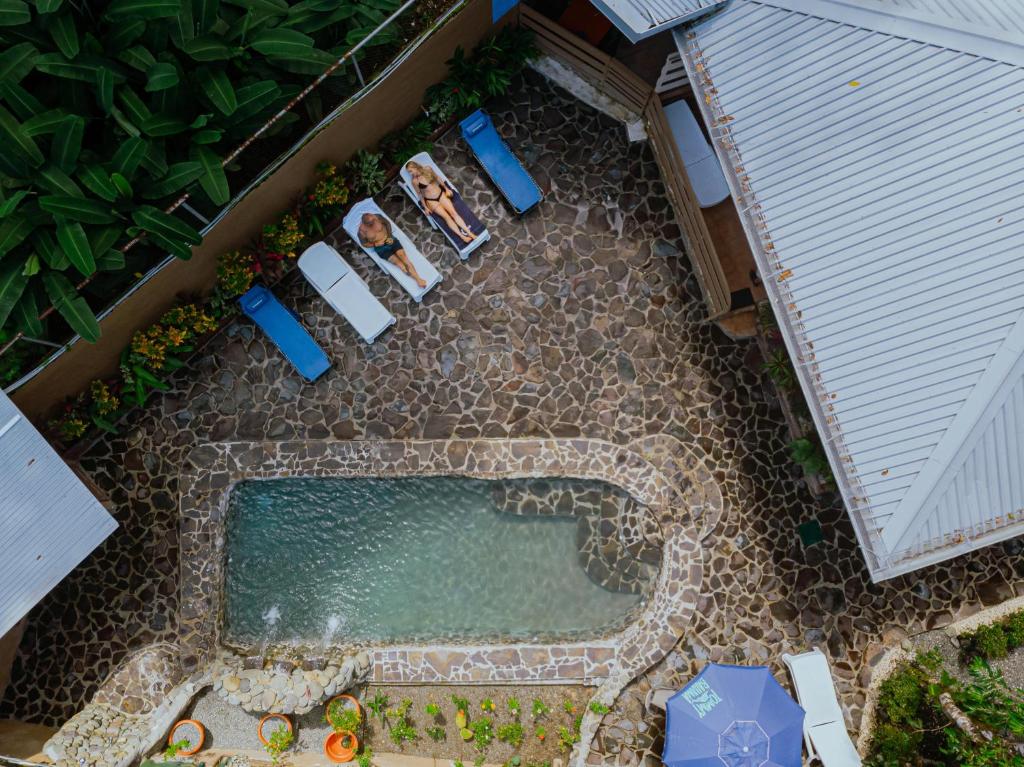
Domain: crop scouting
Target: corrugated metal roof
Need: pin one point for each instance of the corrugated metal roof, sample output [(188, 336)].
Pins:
[(1004, 15), (638, 19), (878, 161), (49, 521)]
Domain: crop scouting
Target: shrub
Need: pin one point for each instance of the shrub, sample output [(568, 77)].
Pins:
[(892, 746), (511, 733), (1015, 630), (367, 172), (900, 696), (989, 642)]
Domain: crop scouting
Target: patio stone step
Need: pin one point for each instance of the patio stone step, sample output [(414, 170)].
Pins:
[(605, 558)]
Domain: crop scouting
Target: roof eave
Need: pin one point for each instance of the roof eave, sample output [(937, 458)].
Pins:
[(636, 28)]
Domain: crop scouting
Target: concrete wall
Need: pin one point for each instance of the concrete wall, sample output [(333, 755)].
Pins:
[(389, 106)]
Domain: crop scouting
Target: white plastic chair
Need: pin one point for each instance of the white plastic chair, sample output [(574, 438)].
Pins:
[(344, 291), (425, 269), (825, 732)]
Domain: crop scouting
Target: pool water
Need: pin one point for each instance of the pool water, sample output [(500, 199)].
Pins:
[(317, 561)]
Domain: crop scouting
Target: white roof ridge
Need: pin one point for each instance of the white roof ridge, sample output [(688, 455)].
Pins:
[(975, 39), (986, 399)]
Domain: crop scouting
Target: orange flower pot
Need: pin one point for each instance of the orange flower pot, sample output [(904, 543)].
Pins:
[(341, 747), (286, 721), (354, 703), (185, 723)]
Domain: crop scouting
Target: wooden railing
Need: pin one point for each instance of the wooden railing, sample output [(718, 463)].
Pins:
[(612, 78)]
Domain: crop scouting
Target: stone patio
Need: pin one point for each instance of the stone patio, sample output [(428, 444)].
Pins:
[(583, 320)]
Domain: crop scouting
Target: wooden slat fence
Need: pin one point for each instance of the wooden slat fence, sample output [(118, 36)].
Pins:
[(615, 80)]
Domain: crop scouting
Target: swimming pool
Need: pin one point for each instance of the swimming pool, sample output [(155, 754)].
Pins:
[(325, 561)]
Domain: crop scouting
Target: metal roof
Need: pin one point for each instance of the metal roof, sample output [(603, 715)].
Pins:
[(877, 158), (1004, 15), (637, 19), (49, 521)]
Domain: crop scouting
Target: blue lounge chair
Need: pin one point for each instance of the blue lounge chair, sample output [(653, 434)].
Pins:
[(508, 174), (285, 330)]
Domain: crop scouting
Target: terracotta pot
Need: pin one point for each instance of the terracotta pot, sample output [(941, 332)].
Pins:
[(283, 719), (341, 747), (174, 736), (350, 701)]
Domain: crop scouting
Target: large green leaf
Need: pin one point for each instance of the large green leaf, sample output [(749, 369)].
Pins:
[(161, 76), (163, 125), (134, 107), (67, 142), (8, 206), (97, 181), (71, 306), (65, 33), (55, 64), (213, 180), (48, 6), (46, 122), (31, 268), (255, 97), (176, 248), (281, 43), (12, 285), (126, 10), (54, 180), (110, 261), (13, 231), (165, 225), (217, 87), (205, 14), (124, 189), (14, 131), (26, 313), (46, 246), (24, 104), (105, 90), (17, 61), (124, 34), (137, 57), (14, 12), (73, 241), (77, 209), (182, 26), (279, 7), (103, 238), (178, 176), (155, 159), (209, 48)]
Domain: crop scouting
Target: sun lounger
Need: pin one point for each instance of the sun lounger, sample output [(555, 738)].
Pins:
[(475, 226), (825, 732), (285, 330), (426, 269), (344, 291), (508, 174), (702, 167)]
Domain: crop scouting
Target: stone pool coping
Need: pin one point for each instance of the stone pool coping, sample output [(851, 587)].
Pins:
[(679, 493)]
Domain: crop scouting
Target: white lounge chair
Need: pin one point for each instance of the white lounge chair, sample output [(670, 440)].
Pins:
[(475, 226), (425, 269), (702, 166), (344, 291), (825, 732)]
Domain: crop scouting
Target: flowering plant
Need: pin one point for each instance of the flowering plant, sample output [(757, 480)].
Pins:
[(323, 201)]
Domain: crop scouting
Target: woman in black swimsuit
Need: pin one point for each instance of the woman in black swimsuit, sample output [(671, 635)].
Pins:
[(375, 232), (437, 199)]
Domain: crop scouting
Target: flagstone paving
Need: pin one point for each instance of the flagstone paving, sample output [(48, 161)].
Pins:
[(583, 319)]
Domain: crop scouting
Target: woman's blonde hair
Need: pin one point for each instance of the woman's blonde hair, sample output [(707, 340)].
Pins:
[(425, 171)]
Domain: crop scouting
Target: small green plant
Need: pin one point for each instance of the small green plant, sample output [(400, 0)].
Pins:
[(461, 704), (599, 708), (780, 370), (457, 763), (173, 748), (568, 706), (483, 733), (487, 705), (567, 738), (511, 733), (540, 732), (810, 456), (366, 172), (989, 642), (479, 761), (1015, 630), (280, 741), (514, 707), (365, 759), (402, 729), (433, 710), (436, 734), (379, 704), (540, 709), (340, 717), (515, 761)]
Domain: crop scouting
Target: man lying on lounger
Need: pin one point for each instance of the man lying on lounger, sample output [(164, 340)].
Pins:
[(437, 199), (375, 232)]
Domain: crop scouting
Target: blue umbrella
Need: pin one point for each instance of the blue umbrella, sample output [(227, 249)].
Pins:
[(733, 716)]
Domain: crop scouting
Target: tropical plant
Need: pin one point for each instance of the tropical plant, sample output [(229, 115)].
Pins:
[(379, 704), (435, 733), (780, 370), (340, 717), (809, 455), (514, 706), (399, 146), (367, 172), (109, 112), (540, 708), (401, 729)]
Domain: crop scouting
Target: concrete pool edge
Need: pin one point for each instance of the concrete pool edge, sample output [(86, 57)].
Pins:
[(683, 497)]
